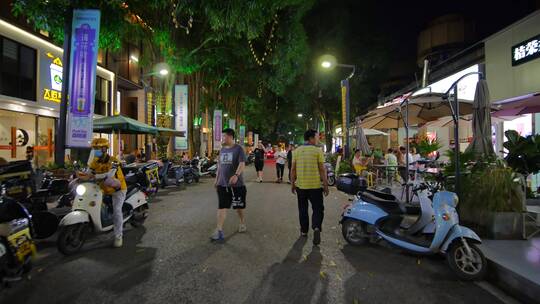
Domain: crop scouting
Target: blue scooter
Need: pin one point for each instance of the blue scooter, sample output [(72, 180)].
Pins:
[(376, 215)]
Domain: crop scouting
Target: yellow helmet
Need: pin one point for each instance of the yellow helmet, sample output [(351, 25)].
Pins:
[(98, 143)]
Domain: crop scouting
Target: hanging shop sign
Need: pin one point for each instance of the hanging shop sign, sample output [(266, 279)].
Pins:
[(83, 60), (232, 124), (526, 51), (218, 125), (242, 134), (50, 80), (181, 115), (256, 138)]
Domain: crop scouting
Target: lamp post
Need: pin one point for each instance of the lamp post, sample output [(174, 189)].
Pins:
[(160, 70), (329, 62)]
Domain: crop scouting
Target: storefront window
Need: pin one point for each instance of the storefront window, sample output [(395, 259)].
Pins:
[(17, 70), (102, 96), (20, 127), (44, 150)]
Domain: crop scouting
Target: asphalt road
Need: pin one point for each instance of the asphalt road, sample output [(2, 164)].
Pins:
[(172, 261)]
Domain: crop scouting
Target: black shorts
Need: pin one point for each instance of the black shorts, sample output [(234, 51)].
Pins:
[(259, 165), (225, 197)]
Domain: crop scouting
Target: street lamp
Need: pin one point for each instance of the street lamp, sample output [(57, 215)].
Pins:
[(329, 62), (163, 72), (300, 115), (226, 115)]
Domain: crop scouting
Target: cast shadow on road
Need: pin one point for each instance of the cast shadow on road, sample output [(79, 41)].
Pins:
[(383, 274), (296, 279)]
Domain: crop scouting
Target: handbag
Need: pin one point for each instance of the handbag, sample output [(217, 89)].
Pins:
[(237, 202)]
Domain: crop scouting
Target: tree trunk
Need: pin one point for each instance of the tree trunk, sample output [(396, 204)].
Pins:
[(195, 82), (328, 127)]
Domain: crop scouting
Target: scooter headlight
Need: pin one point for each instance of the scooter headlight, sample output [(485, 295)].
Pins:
[(81, 190)]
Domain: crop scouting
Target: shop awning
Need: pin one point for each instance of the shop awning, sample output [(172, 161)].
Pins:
[(122, 124), (170, 132)]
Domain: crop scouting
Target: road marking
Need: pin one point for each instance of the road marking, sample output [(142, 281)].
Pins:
[(499, 294)]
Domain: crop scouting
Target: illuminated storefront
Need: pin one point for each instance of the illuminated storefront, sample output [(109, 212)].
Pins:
[(512, 69), (30, 93)]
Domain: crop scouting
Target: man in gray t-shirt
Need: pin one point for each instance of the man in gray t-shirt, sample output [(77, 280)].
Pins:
[(230, 183)]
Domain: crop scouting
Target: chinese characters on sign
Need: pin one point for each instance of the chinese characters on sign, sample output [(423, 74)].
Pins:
[(525, 51), (83, 59), (181, 118)]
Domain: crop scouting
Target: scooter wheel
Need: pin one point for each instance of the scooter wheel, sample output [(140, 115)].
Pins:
[(354, 232), (331, 181), (71, 238), (468, 268)]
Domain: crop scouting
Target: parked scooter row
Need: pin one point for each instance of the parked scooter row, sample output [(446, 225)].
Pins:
[(375, 216)]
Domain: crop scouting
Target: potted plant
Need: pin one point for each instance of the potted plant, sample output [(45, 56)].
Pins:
[(492, 197), (524, 157)]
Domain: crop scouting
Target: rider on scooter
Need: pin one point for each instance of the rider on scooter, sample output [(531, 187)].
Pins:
[(113, 184)]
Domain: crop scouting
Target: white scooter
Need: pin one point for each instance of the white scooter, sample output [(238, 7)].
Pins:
[(92, 212)]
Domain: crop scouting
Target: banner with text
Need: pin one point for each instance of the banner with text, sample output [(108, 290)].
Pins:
[(232, 124), (82, 76), (218, 125), (256, 139), (242, 135), (181, 116)]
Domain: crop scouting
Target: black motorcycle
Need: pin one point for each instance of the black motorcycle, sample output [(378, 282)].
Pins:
[(17, 180), (16, 245), (146, 175), (191, 171), (171, 174)]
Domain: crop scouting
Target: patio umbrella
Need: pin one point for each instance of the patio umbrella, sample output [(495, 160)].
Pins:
[(422, 108), (481, 121), (518, 106), (122, 124), (361, 140)]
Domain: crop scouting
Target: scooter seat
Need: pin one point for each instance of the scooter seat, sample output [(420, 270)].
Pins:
[(388, 206), (382, 195)]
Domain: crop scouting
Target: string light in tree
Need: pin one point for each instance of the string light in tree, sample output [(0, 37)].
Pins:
[(178, 24), (260, 88), (268, 47)]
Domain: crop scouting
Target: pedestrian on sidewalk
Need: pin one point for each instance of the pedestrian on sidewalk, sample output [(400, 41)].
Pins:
[(259, 161), (229, 183), (280, 164), (306, 175), (289, 160)]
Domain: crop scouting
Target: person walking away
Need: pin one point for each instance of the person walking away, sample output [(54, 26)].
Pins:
[(306, 175), (104, 166), (289, 160), (280, 164), (229, 183), (259, 161)]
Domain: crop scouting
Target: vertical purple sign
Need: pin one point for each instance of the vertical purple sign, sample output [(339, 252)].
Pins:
[(218, 125), (83, 60)]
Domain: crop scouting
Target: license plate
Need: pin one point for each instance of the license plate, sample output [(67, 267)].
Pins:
[(23, 244)]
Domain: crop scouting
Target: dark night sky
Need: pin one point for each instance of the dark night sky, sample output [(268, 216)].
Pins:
[(362, 30)]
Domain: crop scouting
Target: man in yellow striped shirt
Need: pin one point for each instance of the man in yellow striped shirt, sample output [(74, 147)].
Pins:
[(307, 172)]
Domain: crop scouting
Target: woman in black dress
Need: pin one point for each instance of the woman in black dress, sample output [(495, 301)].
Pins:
[(259, 161)]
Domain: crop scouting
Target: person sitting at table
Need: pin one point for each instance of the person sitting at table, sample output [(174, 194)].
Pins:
[(415, 156), (357, 162)]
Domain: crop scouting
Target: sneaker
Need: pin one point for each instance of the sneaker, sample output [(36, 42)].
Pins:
[(316, 237), (303, 234), (242, 228), (217, 236), (118, 242)]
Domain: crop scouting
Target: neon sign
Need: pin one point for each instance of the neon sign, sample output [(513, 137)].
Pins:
[(54, 93)]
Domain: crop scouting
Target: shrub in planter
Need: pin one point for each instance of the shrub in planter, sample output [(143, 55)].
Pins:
[(492, 196)]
